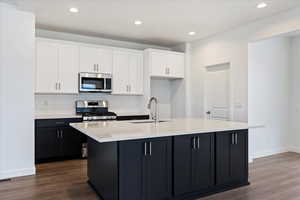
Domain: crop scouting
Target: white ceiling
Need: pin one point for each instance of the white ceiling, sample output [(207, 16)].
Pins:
[(165, 22)]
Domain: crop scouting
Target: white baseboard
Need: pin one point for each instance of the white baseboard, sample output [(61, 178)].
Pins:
[(17, 173), (270, 152)]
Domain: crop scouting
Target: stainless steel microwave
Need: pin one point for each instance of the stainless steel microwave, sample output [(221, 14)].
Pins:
[(95, 82)]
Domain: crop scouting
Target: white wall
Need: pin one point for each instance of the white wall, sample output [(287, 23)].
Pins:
[(268, 95), (65, 104), (232, 47), (294, 102), (16, 92)]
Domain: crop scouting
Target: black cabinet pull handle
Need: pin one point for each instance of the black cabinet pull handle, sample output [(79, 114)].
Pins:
[(57, 133), (61, 134), (150, 148), (232, 138), (198, 142), (236, 138)]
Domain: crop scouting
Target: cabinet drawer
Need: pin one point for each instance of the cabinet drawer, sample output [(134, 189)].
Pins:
[(40, 123)]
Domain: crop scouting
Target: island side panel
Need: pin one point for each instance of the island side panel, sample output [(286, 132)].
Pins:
[(103, 168)]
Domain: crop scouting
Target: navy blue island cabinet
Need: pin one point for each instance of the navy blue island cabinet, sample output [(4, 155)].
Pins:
[(169, 168)]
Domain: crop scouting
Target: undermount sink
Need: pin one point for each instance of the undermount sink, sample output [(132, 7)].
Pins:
[(148, 122)]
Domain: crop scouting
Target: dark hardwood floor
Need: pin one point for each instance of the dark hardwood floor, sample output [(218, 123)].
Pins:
[(272, 178)]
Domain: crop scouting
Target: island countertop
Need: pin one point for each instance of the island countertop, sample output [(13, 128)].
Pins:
[(110, 131)]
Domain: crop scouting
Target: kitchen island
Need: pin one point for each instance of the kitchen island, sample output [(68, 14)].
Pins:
[(177, 159)]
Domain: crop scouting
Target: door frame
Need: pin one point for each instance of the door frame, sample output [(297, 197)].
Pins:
[(230, 96)]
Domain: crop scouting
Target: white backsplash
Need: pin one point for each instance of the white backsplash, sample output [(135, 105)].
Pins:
[(162, 90), (65, 104)]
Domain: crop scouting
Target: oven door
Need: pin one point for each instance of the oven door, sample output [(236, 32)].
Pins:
[(90, 82)]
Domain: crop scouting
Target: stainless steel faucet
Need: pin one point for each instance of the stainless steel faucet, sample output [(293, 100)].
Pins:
[(154, 117)]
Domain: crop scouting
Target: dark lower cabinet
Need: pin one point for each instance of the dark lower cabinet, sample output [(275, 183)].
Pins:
[(232, 157), (159, 169), (47, 143), (193, 163), (71, 142), (55, 139), (169, 168), (133, 169), (145, 171)]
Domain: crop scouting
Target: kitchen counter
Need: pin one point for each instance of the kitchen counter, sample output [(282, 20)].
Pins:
[(129, 130), (178, 159), (57, 116), (70, 116)]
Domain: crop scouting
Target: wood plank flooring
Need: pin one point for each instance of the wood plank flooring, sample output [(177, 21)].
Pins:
[(272, 178)]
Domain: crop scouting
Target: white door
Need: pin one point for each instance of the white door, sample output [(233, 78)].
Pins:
[(88, 59), (136, 74), (68, 68), (176, 65), (105, 61), (158, 64), (46, 67), (217, 92), (120, 73)]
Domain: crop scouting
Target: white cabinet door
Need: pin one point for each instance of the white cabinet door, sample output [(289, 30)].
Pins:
[(176, 65), (136, 74), (105, 61), (88, 59), (166, 64), (68, 68), (120, 72), (46, 67), (158, 64)]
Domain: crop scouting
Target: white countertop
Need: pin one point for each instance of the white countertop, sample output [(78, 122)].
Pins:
[(111, 131), (56, 116), (61, 116), (131, 113)]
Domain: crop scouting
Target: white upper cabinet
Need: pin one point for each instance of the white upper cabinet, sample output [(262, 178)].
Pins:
[(59, 62), (166, 64), (46, 67), (88, 59), (56, 67), (95, 60), (158, 63), (127, 72), (136, 74), (175, 65), (105, 62), (120, 73), (68, 68)]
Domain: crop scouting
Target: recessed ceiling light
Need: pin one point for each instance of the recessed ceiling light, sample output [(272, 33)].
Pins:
[(262, 5), (138, 22), (192, 33), (74, 10)]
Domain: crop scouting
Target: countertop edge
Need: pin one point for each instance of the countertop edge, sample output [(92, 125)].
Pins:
[(103, 140)]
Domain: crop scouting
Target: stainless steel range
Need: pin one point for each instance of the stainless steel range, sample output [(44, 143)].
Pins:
[(94, 110)]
